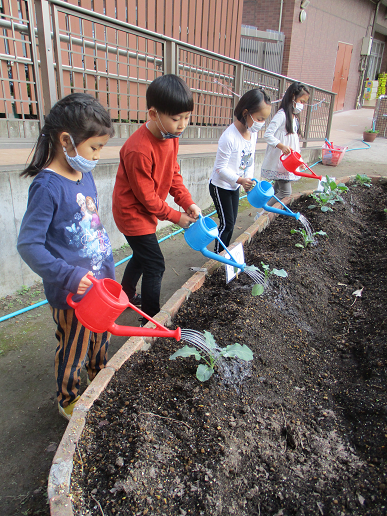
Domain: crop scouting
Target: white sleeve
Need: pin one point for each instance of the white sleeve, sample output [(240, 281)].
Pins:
[(276, 122), (224, 166)]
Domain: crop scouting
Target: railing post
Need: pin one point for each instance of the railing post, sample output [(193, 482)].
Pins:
[(329, 124), (170, 58), (239, 72), (35, 64), (308, 117), (47, 71)]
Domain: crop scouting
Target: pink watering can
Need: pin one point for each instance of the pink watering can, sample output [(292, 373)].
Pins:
[(104, 302), (203, 232), (292, 161), (261, 193)]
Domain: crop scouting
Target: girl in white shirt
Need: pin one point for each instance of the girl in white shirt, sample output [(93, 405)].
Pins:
[(234, 163), (282, 136)]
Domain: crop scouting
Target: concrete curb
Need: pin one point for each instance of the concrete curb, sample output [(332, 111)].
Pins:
[(59, 480)]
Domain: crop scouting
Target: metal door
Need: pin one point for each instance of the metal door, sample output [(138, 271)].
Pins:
[(340, 79)]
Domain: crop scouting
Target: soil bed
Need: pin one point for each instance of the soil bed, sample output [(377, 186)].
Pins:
[(301, 430)]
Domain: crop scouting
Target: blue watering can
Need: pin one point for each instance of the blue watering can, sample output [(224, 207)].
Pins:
[(203, 232), (261, 193)]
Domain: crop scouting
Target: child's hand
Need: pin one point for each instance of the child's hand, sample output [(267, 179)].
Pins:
[(284, 148), (186, 220), (246, 183), (85, 283), (194, 211)]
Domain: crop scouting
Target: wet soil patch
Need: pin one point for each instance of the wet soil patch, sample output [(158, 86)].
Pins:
[(301, 429)]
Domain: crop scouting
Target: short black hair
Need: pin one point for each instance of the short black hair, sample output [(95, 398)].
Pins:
[(251, 101), (170, 95)]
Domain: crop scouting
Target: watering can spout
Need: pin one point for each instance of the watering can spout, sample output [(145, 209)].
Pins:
[(133, 331), (282, 212), (222, 259)]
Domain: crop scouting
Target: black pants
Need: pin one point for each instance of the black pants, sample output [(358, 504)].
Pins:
[(226, 204), (148, 261)]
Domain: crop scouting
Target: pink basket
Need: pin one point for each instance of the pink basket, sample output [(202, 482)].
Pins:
[(332, 155)]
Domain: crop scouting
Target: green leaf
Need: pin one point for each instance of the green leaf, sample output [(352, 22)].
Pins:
[(210, 341), (280, 272), (292, 231), (321, 233), (326, 208), (204, 372), (299, 245), (258, 289), (251, 268), (311, 206), (186, 351), (236, 350)]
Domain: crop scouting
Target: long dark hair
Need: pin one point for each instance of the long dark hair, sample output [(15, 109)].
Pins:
[(295, 91), (251, 101), (79, 114)]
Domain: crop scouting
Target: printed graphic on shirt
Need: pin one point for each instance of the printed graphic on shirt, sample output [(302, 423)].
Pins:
[(246, 160), (88, 235)]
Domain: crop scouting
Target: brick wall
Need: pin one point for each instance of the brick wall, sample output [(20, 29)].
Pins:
[(311, 47)]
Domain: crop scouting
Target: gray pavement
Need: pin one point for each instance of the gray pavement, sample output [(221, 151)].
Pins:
[(30, 427)]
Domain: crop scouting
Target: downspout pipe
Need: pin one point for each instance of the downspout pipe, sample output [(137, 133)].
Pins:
[(362, 86)]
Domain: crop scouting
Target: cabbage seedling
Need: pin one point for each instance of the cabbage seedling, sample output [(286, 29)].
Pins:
[(329, 195), (363, 180), (211, 354), (259, 289), (307, 238)]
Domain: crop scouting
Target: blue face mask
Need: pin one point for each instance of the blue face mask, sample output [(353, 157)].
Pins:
[(78, 162), (165, 134)]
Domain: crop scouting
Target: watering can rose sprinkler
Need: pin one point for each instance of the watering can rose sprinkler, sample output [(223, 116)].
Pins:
[(292, 161), (104, 302), (203, 232), (261, 193)]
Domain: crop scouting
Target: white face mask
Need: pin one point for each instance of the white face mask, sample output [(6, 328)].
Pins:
[(298, 108), (257, 126), (78, 162)]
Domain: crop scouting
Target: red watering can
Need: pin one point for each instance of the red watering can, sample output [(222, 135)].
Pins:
[(104, 302), (292, 161)]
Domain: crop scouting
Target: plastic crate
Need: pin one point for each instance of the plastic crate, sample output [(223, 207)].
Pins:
[(332, 155)]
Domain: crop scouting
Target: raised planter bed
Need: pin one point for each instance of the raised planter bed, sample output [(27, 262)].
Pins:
[(300, 430)]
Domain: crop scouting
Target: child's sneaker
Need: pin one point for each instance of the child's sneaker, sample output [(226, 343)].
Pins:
[(67, 412), (135, 300)]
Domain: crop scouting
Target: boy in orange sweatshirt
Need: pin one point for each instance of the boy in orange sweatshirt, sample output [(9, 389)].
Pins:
[(147, 173)]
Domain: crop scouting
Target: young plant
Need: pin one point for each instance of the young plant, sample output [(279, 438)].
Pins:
[(307, 238), (258, 288), (211, 354), (363, 180), (329, 195)]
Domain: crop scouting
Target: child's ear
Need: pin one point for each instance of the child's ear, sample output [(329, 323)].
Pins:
[(152, 112), (64, 139)]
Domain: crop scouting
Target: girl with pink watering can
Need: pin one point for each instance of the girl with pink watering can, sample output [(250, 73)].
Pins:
[(282, 137), (61, 236)]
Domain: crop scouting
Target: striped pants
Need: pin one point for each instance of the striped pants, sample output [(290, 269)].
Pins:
[(77, 347)]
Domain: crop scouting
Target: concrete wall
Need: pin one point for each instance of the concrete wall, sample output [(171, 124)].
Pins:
[(14, 194), (196, 169)]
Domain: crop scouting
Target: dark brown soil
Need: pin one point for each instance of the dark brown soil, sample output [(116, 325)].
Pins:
[(300, 430)]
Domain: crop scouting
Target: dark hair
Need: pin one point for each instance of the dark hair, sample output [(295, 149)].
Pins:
[(170, 95), (79, 114), (295, 91), (251, 101)]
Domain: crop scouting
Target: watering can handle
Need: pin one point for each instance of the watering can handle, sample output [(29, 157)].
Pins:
[(69, 298)]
